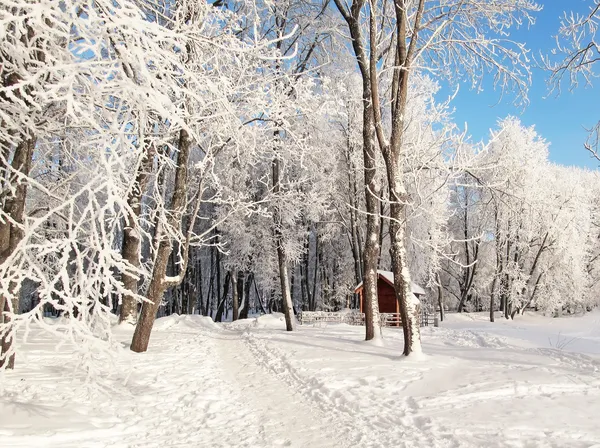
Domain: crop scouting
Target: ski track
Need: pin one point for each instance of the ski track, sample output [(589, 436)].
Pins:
[(281, 414), (367, 423), (376, 416)]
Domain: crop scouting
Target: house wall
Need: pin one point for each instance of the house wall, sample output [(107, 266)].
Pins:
[(387, 297)]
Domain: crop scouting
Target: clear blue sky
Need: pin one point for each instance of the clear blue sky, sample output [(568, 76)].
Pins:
[(560, 120)]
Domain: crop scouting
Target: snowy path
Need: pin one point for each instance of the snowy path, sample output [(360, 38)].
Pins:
[(176, 395), (195, 387), (478, 389), (281, 417), (369, 411)]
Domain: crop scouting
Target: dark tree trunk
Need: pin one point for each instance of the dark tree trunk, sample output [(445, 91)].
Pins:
[(223, 301), (394, 154), (132, 236), (492, 300), (303, 288), (318, 256), (288, 308), (11, 234), (440, 291), (235, 295), (199, 281), (370, 255), (259, 298), (218, 267), (211, 287), (158, 282), (306, 270), (355, 244), (293, 282), (246, 301)]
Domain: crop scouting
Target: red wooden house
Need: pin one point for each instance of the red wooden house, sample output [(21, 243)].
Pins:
[(387, 293)]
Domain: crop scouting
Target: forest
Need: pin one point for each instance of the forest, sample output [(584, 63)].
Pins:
[(232, 158)]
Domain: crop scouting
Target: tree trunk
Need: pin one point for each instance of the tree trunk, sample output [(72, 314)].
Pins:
[(11, 234), (305, 305), (292, 282), (440, 290), (370, 255), (132, 238), (199, 286), (318, 257), (210, 293), (394, 154), (246, 302), (223, 301), (156, 290), (217, 290), (158, 282), (371, 245), (306, 270), (286, 297), (354, 230), (381, 227), (408, 304), (492, 300), (235, 295), (259, 298)]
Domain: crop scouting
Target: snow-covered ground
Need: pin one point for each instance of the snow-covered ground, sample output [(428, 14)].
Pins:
[(534, 382)]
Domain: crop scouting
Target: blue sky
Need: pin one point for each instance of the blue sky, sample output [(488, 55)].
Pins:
[(560, 120)]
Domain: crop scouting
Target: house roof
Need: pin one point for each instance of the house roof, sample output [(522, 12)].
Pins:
[(389, 278)]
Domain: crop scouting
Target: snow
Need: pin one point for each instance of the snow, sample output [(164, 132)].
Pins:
[(532, 382)]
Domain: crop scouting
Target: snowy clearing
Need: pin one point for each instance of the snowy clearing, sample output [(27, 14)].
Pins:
[(534, 382)]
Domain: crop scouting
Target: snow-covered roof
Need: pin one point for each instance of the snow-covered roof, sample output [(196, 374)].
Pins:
[(389, 277)]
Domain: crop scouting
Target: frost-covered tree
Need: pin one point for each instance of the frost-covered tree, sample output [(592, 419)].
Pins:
[(576, 58), (66, 83), (526, 229), (237, 104), (401, 38)]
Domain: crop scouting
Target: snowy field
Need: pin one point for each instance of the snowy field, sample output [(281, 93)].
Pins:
[(534, 382)]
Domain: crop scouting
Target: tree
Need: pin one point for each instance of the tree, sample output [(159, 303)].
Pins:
[(407, 36), (234, 90), (372, 186), (530, 226), (61, 84), (576, 57)]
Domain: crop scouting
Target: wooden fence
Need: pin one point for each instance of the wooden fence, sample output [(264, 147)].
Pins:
[(356, 318)]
